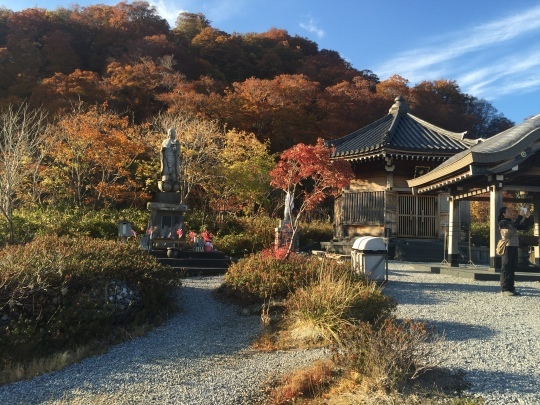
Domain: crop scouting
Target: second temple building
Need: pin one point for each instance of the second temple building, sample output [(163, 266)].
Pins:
[(384, 155)]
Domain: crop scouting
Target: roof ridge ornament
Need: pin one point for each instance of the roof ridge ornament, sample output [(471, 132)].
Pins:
[(399, 107)]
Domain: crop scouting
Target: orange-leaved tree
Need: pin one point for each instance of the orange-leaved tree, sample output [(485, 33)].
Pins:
[(309, 174), (93, 158)]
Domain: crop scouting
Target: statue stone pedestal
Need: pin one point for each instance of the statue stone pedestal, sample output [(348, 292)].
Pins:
[(284, 235), (166, 227)]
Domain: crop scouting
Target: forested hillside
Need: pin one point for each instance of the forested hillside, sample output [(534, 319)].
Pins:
[(282, 88)]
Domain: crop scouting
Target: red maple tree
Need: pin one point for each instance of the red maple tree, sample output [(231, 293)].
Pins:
[(309, 174)]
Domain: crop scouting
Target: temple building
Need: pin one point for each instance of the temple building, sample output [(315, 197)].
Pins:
[(384, 155)]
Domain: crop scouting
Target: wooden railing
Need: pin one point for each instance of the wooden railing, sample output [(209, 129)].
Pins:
[(362, 208)]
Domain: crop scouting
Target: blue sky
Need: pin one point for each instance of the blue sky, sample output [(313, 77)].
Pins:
[(490, 47)]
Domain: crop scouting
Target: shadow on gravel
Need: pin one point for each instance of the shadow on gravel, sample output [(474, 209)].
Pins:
[(518, 384), (528, 291), (457, 331), (425, 293)]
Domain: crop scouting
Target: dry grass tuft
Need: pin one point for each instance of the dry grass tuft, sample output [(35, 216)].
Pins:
[(17, 372), (336, 298), (390, 354), (309, 382)]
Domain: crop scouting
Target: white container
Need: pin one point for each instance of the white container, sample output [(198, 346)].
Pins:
[(369, 257)]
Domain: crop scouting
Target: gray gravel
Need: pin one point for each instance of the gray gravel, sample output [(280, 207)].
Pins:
[(495, 339), (201, 356)]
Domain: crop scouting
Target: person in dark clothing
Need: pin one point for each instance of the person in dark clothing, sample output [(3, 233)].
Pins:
[(509, 224)]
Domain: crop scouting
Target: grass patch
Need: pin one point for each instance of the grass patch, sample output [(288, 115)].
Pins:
[(12, 372), (334, 299), (376, 358)]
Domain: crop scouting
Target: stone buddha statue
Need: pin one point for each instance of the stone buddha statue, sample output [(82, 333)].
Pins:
[(170, 163)]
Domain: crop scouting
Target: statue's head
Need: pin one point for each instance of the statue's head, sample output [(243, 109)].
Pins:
[(172, 133)]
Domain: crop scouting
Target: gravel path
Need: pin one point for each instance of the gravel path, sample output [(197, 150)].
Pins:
[(495, 339), (200, 356)]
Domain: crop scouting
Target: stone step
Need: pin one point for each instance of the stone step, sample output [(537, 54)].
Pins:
[(196, 262), (188, 254), (419, 251), (192, 263), (199, 271)]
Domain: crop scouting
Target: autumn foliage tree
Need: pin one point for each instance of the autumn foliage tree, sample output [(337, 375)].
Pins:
[(278, 87), (244, 178), (93, 159), (283, 111), (224, 168), (310, 175)]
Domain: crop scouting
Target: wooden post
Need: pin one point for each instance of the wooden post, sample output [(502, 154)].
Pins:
[(495, 204), (453, 232), (536, 213)]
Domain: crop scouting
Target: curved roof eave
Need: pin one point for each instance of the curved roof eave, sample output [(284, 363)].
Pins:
[(459, 136), (502, 146)]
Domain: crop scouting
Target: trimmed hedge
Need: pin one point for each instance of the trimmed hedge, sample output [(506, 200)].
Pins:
[(54, 293)]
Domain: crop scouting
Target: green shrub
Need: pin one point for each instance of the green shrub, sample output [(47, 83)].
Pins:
[(261, 275), (54, 293), (30, 223), (335, 298), (241, 236), (235, 236), (315, 231), (240, 245), (480, 232)]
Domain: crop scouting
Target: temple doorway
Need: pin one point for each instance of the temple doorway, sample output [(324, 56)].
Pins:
[(417, 216)]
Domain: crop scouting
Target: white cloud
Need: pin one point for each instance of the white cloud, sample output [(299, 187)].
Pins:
[(486, 60), (167, 11), (507, 74), (310, 26)]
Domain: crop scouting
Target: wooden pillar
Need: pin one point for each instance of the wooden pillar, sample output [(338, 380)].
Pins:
[(453, 232), (536, 213), (495, 204)]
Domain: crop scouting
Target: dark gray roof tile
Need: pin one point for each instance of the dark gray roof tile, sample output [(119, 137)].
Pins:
[(400, 130)]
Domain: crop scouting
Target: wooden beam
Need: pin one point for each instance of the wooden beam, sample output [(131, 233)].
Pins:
[(532, 189), (528, 200), (471, 193)]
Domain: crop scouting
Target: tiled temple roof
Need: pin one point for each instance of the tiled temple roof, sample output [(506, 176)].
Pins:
[(399, 133)]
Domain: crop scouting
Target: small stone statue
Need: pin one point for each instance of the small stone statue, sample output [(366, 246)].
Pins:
[(170, 163), (289, 205)]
